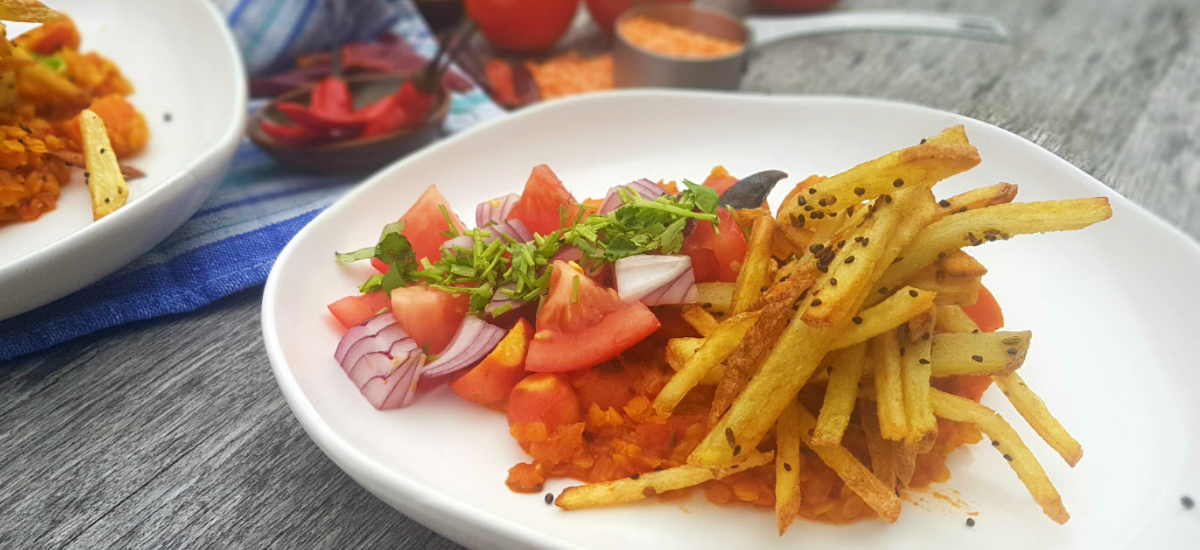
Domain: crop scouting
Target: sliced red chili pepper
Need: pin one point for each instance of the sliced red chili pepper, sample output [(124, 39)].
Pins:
[(391, 117), (332, 96), (321, 121), (292, 136)]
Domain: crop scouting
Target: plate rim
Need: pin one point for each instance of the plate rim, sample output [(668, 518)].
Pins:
[(229, 138), (361, 468)]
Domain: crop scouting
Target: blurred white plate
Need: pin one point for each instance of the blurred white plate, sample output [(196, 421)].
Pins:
[(182, 61), (1113, 310)]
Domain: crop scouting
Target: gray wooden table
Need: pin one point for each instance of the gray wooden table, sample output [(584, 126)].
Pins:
[(171, 433)]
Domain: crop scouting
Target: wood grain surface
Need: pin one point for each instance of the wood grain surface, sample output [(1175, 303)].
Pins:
[(172, 433)]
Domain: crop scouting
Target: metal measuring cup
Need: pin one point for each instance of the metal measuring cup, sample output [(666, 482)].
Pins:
[(634, 66)]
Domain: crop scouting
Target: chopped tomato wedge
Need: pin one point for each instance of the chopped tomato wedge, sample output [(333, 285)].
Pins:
[(986, 311), (716, 258), (720, 179), (583, 324), (546, 398), (429, 315), (352, 310), (425, 226), (494, 379), (539, 205)]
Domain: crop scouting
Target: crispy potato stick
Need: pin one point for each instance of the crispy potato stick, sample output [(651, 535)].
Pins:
[(780, 216), (789, 241), (680, 350), (854, 262), (1034, 410), (1001, 193), (744, 361), (715, 297), (840, 396), (27, 11), (919, 166), (972, 354), (755, 274), (715, 349), (954, 135), (894, 311), (906, 462), (999, 222), (883, 462), (701, 320), (961, 264), (787, 466), (1006, 440), (108, 187), (649, 484), (787, 367), (954, 319), (877, 494), (889, 386), (916, 371), (951, 290)]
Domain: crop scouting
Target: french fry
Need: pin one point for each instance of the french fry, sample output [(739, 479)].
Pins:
[(780, 217), (954, 135), (700, 319), (787, 367), (950, 289), (961, 264), (755, 272), (1005, 439), (789, 241), (776, 310), (840, 396), (906, 462), (715, 349), (73, 158), (883, 463), (918, 166), (1034, 410), (894, 311), (646, 485), (715, 297), (787, 466), (679, 350), (1001, 193), (889, 386), (915, 372), (951, 318), (108, 187), (973, 354), (853, 265), (27, 11), (999, 222), (878, 495)]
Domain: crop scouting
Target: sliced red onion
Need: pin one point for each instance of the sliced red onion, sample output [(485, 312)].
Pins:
[(681, 291), (461, 241), (396, 384), (370, 327), (645, 188), (391, 340), (473, 341), (513, 228), (655, 280), (495, 210), (572, 253)]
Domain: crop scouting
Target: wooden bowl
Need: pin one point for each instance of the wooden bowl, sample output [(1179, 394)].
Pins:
[(351, 156)]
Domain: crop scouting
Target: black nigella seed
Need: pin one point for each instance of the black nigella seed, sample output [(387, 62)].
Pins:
[(763, 289), (729, 437), (841, 244), (1187, 502), (941, 255), (961, 210), (887, 199), (977, 358), (926, 336), (922, 141), (970, 522), (860, 191), (866, 241), (812, 191), (102, 150), (850, 259), (822, 202), (737, 450), (167, 117), (808, 208), (1008, 458), (898, 183), (816, 248), (914, 293), (823, 268), (800, 200), (549, 498), (1012, 351), (787, 467), (923, 361), (944, 203), (816, 302), (995, 443), (833, 282), (857, 320), (635, 476)]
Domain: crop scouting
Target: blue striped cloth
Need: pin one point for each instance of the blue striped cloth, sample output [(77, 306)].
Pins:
[(233, 240)]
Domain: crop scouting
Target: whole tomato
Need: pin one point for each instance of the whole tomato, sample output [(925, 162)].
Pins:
[(522, 25), (605, 12), (796, 5)]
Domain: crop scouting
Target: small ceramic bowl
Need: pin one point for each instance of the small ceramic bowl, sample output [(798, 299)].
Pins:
[(351, 156)]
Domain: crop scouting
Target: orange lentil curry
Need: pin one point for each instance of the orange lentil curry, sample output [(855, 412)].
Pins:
[(45, 81)]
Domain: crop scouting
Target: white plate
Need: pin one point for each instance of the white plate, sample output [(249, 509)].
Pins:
[(1113, 310), (182, 60)]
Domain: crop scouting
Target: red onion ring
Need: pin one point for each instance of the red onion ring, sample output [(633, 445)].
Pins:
[(495, 210), (645, 188), (473, 341)]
